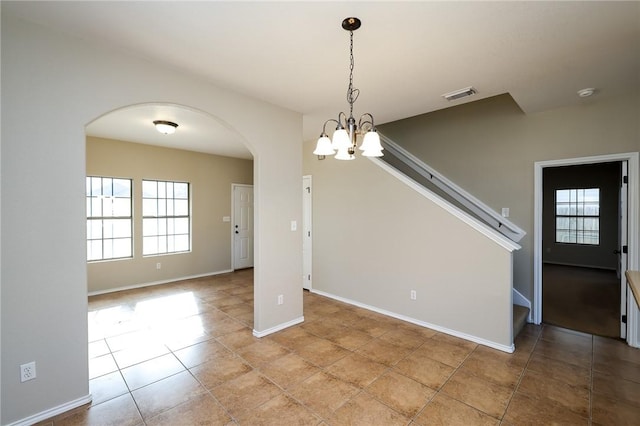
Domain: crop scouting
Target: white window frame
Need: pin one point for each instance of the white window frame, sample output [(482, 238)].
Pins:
[(576, 215), (166, 218), (106, 223)]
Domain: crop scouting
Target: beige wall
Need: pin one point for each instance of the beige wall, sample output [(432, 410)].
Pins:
[(210, 177), (53, 85), (375, 239), (489, 148)]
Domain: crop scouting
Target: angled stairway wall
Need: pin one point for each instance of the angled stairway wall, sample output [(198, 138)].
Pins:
[(426, 176)]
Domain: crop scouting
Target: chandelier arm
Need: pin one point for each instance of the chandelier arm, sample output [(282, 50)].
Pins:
[(363, 121), (341, 116), (324, 126)]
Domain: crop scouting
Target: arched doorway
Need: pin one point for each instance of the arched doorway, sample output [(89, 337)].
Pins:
[(156, 208), (204, 156)]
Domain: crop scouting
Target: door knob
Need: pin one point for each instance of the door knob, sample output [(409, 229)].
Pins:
[(617, 252)]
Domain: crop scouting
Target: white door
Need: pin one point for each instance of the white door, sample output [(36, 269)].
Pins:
[(242, 226), (306, 232), (622, 250)]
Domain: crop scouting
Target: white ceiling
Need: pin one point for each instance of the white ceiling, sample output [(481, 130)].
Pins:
[(407, 54), (195, 130)]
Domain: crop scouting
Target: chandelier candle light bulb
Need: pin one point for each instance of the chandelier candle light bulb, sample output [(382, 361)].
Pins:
[(344, 141)]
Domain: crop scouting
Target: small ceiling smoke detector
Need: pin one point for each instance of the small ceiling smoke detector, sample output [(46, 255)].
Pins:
[(462, 93), (585, 93), (166, 127)]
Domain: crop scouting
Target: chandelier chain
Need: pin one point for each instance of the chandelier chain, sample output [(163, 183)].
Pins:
[(352, 94)]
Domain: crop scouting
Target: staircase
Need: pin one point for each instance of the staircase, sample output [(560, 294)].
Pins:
[(520, 315), (429, 178)]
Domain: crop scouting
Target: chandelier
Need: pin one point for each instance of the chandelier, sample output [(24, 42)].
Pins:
[(343, 144)]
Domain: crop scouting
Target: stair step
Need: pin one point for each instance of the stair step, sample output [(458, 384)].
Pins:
[(520, 315)]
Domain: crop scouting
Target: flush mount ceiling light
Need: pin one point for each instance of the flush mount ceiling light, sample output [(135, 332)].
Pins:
[(343, 143), (166, 127), (462, 93), (585, 93)]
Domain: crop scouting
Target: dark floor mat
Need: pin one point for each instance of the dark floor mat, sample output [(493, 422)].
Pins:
[(582, 299)]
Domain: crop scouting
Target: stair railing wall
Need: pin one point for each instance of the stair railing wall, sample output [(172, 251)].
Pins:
[(471, 203)]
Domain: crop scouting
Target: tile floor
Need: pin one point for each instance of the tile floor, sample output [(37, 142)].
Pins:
[(184, 354)]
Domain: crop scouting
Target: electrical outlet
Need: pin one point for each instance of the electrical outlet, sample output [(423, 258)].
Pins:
[(158, 265), (280, 299), (413, 295), (28, 371)]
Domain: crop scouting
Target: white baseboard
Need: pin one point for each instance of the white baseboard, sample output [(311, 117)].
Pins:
[(475, 339), (153, 283), (52, 412), (520, 300), (278, 327)]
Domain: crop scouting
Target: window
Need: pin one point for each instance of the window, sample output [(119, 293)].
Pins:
[(108, 218), (165, 217), (578, 216)]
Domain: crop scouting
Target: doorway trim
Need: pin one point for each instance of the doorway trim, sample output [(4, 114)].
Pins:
[(307, 237), (633, 205)]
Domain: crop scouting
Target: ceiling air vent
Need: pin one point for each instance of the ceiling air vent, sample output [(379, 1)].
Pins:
[(457, 94)]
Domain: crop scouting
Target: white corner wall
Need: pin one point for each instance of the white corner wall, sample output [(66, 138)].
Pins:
[(376, 239), (52, 86)]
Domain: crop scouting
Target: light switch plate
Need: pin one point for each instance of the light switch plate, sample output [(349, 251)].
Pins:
[(294, 225)]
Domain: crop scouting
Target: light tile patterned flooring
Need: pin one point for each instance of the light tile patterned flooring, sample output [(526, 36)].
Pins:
[(184, 354)]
